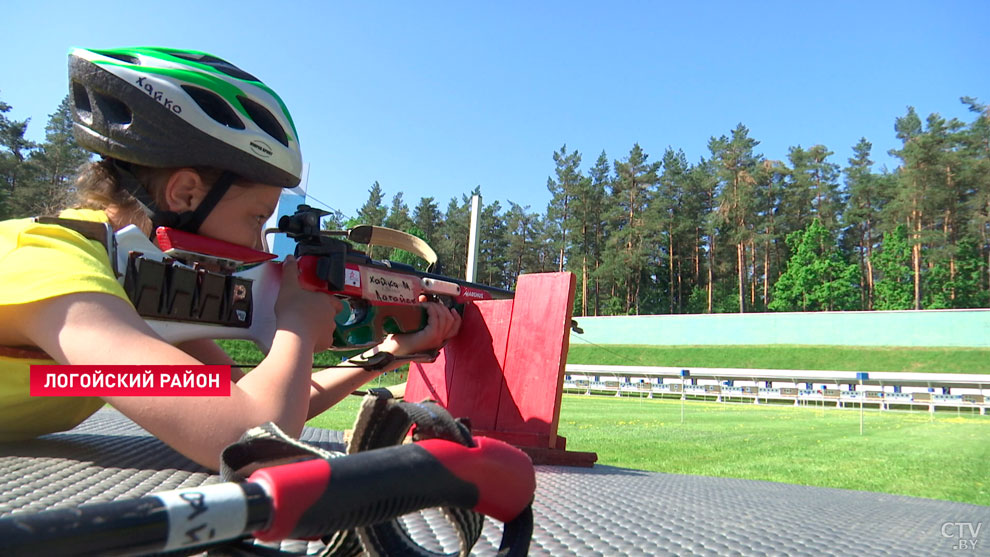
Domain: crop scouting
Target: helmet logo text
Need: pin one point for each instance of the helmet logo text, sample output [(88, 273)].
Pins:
[(261, 149), (158, 95)]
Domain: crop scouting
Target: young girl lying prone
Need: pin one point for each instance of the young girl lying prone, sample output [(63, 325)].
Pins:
[(193, 142)]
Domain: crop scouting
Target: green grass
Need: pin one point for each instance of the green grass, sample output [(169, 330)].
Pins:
[(942, 457), (246, 353), (844, 358), (903, 453), (900, 452), (342, 415)]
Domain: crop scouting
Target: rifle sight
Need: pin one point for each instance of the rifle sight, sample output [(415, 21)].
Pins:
[(303, 225)]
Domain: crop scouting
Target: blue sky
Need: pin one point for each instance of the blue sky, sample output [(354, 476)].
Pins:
[(435, 98)]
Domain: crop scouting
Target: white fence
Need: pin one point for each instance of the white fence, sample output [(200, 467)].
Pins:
[(882, 389)]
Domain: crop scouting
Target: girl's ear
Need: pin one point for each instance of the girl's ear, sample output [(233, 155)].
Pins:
[(184, 190)]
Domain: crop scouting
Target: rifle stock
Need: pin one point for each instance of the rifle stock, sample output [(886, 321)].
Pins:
[(380, 297)]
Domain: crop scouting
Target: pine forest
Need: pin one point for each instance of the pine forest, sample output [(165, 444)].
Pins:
[(732, 232)]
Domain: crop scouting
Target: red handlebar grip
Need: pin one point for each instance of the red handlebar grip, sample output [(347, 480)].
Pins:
[(292, 488), (369, 487), (503, 474)]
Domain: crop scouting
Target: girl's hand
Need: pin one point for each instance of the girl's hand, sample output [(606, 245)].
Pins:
[(304, 312), (443, 323)]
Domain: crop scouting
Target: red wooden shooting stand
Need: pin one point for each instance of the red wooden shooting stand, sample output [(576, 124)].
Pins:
[(505, 370)]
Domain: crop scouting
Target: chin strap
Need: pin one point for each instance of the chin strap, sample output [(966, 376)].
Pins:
[(188, 221)]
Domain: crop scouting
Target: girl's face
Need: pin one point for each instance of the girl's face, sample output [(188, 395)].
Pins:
[(241, 214)]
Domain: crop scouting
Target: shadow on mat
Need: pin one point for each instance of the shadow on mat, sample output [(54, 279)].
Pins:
[(596, 470), (107, 451), (112, 451)]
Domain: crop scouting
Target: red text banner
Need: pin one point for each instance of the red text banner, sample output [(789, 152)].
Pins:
[(121, 380)]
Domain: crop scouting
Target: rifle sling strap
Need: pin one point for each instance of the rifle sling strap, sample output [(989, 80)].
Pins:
[(91, 230), (390, 238), (375, 361)]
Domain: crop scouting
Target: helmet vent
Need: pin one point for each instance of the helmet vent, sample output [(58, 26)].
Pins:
[(80, 103), (215, 107), (218, 64), (113, 111), (265, 120), (119, 56)]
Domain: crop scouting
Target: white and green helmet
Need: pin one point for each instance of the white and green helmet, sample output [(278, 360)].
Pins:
[(164, 107)]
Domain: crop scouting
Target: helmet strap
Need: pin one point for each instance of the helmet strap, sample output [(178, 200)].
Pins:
[(188, 221), (127, 180)]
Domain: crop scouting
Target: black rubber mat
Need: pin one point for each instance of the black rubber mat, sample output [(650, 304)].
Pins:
[(578, 511)]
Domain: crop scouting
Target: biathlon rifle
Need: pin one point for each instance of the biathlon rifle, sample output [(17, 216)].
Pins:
[(190, 288)]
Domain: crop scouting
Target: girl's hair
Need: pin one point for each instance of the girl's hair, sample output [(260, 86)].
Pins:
[(97, 188)]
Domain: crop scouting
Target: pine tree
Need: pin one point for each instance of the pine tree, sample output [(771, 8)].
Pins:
[(918, 190), (398, 214), (524, 229), (335, 221), (953, 190), (563, 190), (493, 247), (822, 178), (632, 190), (768, 190), (398, 219), (426, 217), (16, 169), (56, 162), (8, 164), (975, 140), (592, 211), (735, 164), (452, 237), (672, 208), (797, 200), (704, 186), (373, 212), (867, 198)]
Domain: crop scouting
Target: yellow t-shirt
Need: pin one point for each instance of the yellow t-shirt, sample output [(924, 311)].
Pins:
[(37, 262)]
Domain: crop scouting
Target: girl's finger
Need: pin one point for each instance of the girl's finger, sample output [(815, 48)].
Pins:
[(455, 323), (290, 270)]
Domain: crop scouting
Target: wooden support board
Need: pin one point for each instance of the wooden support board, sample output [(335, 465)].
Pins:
[(505, 370)]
